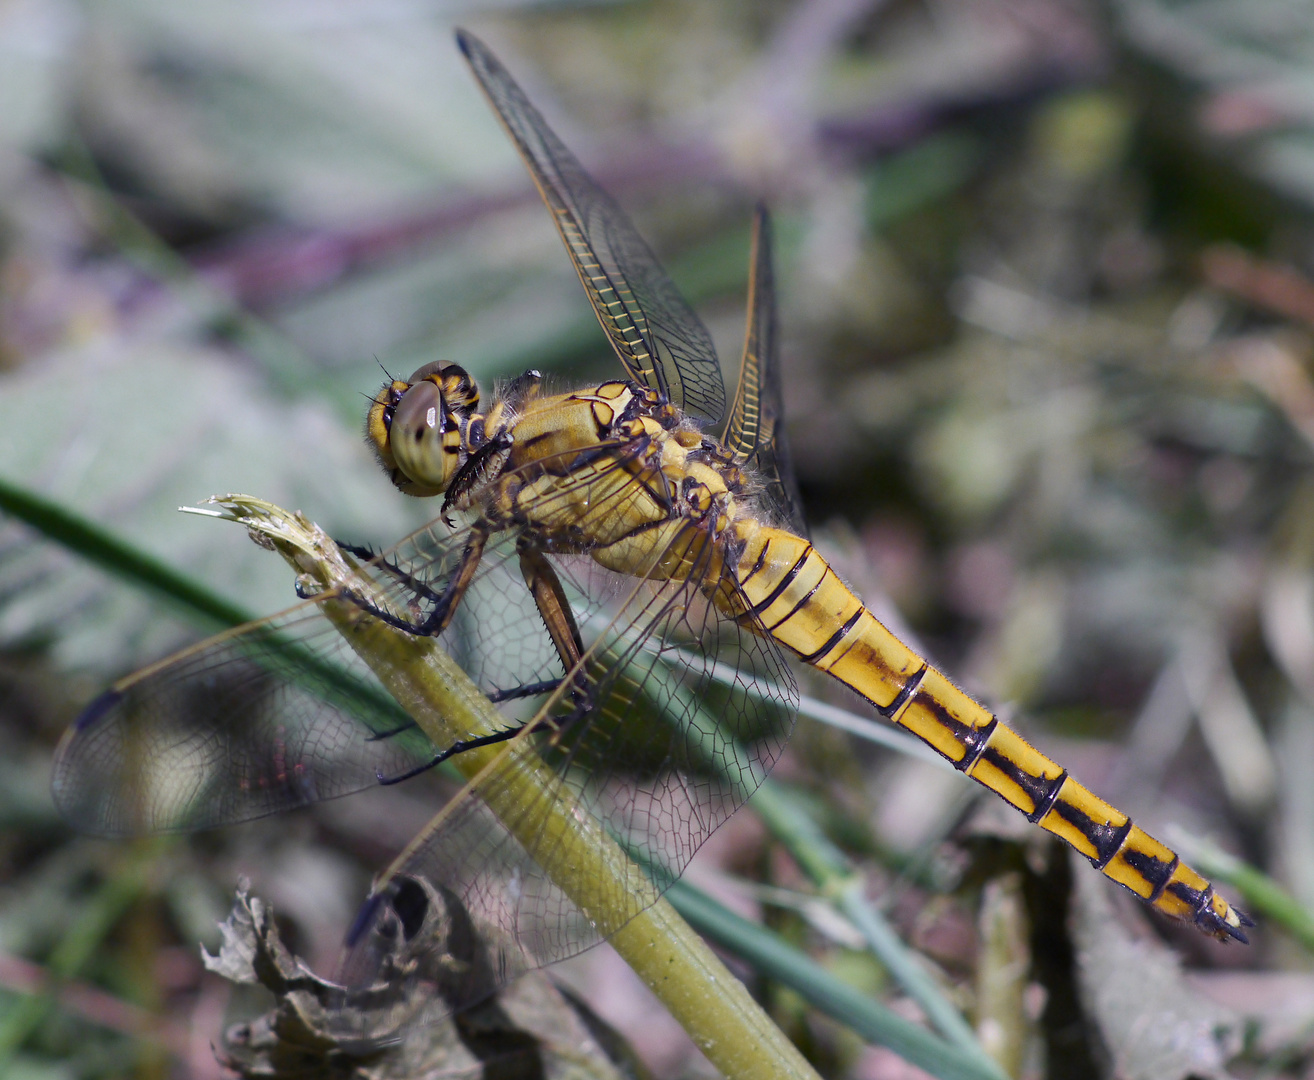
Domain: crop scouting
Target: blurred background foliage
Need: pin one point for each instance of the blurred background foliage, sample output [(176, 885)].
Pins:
[(1048, 318)]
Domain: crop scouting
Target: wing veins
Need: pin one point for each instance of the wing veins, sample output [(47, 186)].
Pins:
[(755, 429), (599, 236)]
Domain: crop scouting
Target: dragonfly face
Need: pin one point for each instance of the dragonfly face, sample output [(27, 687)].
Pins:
[(421, 428), (630, 578)]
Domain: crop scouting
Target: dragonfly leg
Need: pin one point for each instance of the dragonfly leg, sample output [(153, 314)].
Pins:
[(525, 690), (360, 551), (541, 571), (456, 748), (444, 603), (420, 588), (468, 475), (379, 736), (554, 607), (546, 686)]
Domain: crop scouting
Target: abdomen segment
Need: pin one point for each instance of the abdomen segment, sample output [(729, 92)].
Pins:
[(795, 595)]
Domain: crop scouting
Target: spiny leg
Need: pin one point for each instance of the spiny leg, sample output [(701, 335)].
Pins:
[(550, 598), (439, 618), (476, 466), (456, 748), (420, 588), (444, 604), (554, 608), (544, 686), (534, 689)]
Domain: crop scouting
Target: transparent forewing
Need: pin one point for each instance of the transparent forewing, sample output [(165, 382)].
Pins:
[(682, 714), (282, 713), (755, 431), (655, 333), (270, 716)]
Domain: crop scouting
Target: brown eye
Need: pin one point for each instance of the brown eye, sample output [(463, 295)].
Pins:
[(416, 436), (436, 368), (418, 411)]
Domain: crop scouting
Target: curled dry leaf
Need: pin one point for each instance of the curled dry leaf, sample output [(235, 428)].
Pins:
[(395, 1028)]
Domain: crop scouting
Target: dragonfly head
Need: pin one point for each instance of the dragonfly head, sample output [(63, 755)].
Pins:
[(418, 427)]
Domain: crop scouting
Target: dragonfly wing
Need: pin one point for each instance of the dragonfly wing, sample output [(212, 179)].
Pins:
[(274, 715), (281, 713), (686, 711), (657, 336), (755, 432)]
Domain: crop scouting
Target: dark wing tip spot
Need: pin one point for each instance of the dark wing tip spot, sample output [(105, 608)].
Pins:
[(364, 919), (95, 712)]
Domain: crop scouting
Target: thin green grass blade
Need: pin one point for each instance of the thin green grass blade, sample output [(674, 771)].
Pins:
[(831, 871), (119, 557), (773, 956), (833, 874)]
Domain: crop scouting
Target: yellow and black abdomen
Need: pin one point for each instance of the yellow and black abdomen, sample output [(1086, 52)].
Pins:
[(792, 593)]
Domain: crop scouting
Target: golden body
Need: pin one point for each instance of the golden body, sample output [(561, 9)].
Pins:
[(614, 472), (626, 474)]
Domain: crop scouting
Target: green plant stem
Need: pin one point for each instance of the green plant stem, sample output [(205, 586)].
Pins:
[(103, 549), (828, 867), (570, 846), (830, 870)]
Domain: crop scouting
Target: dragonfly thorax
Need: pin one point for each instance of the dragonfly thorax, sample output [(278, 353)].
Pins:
[(419, 427)]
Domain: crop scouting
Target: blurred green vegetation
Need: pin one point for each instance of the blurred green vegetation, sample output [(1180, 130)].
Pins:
[(1047, 291)]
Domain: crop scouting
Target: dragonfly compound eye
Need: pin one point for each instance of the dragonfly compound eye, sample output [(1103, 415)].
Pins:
[(378, 423), (424, 438), (459, 391)]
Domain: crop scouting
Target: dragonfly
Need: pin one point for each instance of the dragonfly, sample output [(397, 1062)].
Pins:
[(629, 576)]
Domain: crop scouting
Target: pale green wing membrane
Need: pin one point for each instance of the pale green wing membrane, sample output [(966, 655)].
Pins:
[(755, 431), (657, 336)]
